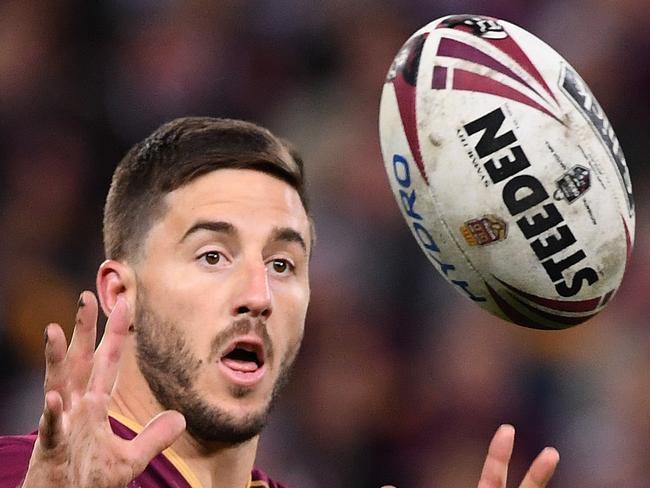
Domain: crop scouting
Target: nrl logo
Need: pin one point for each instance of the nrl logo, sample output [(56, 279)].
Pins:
[(573, 184)]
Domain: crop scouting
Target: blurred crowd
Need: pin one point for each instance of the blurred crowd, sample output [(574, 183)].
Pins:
[(401, 379)]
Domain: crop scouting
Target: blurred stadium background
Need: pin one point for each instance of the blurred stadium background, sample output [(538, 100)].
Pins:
[(401, 380)]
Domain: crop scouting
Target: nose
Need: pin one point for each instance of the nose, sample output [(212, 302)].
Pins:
[(253, 294)]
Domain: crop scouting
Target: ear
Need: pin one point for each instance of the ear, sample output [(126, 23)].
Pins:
[(115, 279)]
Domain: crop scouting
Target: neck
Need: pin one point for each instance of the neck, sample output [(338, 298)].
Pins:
[(215, 465)]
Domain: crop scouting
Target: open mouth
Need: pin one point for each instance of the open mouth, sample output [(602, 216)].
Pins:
[(244, 356)]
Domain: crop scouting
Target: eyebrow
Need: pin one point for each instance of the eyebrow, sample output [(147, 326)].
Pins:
[(286, 234), (212, 226)]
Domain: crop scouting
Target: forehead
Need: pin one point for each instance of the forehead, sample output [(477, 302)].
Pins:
[(246, 198)]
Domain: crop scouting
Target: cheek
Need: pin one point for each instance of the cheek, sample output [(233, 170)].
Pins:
[(182, 289), (291, 310), (194, 313)]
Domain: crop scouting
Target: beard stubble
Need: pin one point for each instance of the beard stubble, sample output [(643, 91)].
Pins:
[(170, 369)]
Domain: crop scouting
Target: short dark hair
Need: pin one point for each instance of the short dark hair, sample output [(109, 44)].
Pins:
[(177, 153)]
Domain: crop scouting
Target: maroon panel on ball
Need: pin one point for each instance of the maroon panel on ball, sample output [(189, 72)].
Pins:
[(460, 50), (558, 305), (468, 81), (562, 320), (405, 83), (512, 49), (513, 314)]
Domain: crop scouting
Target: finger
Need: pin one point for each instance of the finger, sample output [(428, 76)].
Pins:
[(82, 346), (55, 370), (158, 435), (50, 427), (542, 469), (109, 351), (495, 468)]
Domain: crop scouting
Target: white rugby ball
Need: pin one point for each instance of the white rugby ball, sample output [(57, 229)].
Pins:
[(507, 171)]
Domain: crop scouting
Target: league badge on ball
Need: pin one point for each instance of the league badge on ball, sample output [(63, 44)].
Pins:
[(507, 171)]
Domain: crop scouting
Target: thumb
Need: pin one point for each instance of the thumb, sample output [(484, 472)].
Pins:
[(158, 435)]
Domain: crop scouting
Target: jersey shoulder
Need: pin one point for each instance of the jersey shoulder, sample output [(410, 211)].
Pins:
[(15, 452), (259, 479)]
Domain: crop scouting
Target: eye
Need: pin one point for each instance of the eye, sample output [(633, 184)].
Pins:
[(211, 257), (282, 266)]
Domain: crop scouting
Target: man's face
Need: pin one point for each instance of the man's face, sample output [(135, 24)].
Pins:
[(222, 296)]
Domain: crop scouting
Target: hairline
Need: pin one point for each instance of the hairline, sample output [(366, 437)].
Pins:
[(135, 252)]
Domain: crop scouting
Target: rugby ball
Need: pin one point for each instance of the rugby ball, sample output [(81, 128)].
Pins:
[(507, 171)]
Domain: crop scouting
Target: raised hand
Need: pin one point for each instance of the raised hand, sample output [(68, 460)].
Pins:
[(495, 469), (75, 444)]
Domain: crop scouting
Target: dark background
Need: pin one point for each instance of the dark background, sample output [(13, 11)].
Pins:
[(401, 379)]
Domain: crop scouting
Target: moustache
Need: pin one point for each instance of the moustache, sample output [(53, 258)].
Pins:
[(238, 328)]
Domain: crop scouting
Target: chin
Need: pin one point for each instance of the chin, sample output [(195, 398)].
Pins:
[(230, 424), (243, 402)]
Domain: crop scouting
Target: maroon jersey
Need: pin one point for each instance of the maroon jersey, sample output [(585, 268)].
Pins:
[(167, 470)]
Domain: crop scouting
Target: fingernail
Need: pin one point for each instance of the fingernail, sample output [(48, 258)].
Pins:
[(550, 449), (45, 335), (81, 302)]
